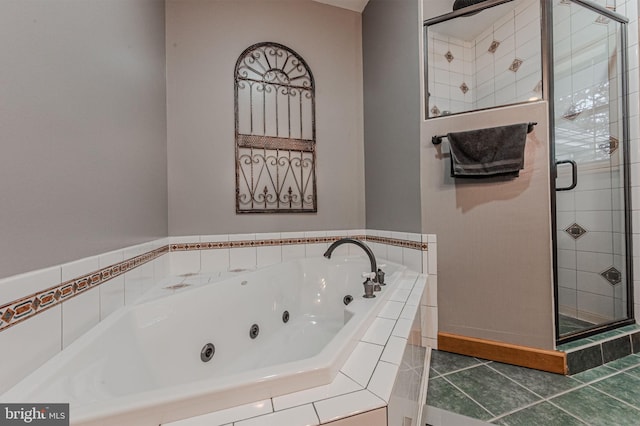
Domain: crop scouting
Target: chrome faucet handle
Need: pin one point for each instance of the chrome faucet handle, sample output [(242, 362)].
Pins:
[(368, 289), (380, 274), (369, 275)]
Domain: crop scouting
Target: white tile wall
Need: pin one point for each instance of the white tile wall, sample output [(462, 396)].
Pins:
[(360, 365), (111, 296), (304, 415), (82, 312), (347, 405), (383, 379), (13, 288), (140, 279), (370, 418), (79, 315), (221, 417), (402, 328), (341, 385), (184, 262), (30, 344), (80, 267), (630, 9), (269, 255), (315, 250), (595, 298), (379, 331), (393, 350), (213, 260), (245, 257), (487, 74), (111, 292), (64, 323), (293, 251)]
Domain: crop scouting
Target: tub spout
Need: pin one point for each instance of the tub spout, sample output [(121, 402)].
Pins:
[(363, 246)]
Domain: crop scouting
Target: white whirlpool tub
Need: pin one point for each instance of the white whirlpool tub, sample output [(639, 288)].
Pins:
[(143, 366)]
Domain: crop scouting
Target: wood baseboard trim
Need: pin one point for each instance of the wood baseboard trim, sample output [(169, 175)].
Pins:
[(524, 356)]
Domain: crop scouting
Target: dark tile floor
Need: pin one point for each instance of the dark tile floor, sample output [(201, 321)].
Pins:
[(569, 325), (467, 390)]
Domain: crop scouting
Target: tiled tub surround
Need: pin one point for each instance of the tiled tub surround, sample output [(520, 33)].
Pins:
[(26, 307), (142, 365), (363, 388), (53, 329), (210, 253), (298, 245)]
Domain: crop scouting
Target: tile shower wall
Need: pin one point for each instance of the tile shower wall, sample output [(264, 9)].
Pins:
[(629, 8), (500, 66), (56, 305), (590, 220), (591, 271)]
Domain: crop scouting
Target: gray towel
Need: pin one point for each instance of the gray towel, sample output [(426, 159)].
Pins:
[(495, 151)]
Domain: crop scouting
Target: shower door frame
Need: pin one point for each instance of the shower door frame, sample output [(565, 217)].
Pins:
[(548, 73)]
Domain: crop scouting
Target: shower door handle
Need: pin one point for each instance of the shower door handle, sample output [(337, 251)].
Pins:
[(574, 174)]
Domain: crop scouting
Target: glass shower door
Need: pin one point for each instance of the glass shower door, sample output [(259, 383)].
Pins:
[(591, 199)]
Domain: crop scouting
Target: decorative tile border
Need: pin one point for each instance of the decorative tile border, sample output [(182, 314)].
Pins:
[(29, 306), (416, 245)]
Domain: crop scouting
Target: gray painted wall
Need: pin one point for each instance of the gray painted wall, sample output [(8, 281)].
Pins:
[(204, 40), (494, 236), (82, 127), (390, 37)]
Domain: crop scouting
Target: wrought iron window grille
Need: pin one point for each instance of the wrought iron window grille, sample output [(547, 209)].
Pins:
[(275, 133)]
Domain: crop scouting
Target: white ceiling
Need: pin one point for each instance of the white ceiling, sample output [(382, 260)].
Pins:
[(468, 28), (355, 5), (431, 8)]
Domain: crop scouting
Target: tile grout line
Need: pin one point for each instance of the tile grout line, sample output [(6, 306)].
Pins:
[(616, 398), (469, 396), (540, 401), (381, 352), (564, 410), (322, 399), (588, 384), (615, 372), (374, 369), (457, 371), (514, 381), (313, 404), (544, 399), (605, 340)]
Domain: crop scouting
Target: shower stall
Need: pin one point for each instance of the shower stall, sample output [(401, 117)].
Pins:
[(573, 54), (587, 48)]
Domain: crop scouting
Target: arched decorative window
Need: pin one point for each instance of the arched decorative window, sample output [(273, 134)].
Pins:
[(275, 131)]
